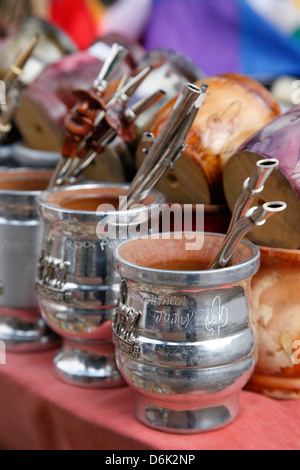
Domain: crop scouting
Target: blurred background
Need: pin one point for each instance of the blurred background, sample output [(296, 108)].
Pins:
[(260, 38)]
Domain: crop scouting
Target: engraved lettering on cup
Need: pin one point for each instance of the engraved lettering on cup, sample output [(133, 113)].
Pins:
[(187, 320), (174, 318)]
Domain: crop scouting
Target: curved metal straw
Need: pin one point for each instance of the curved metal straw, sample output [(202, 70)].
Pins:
[(253, 186), (131, 114), (168, 147), (254, 217), (123, 94)]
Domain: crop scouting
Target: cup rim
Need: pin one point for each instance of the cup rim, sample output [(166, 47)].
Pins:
[(23, 170), (203, 278), (42, 199)]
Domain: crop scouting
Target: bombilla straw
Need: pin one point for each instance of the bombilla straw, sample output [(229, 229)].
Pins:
[(254, 217), (116, 56), (168, 147), (253, 186), (126, 88)]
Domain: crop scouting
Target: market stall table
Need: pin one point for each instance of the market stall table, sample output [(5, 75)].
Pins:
[(37, 412)]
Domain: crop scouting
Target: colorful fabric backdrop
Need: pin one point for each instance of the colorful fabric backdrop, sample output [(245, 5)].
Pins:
[(259, 38), (79, 18), (226, 35), (85, 20)]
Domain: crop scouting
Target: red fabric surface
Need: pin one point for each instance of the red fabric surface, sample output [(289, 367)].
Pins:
[(37, 412)]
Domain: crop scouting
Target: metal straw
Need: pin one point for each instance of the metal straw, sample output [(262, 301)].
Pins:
[(168, 147), (254, 217), (17, 68), (253, 186), (126, 89), (116, 55), (131, 114)]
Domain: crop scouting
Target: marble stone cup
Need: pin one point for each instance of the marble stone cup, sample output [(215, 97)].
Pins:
[(22, 328), (77, 285), (185, 337)]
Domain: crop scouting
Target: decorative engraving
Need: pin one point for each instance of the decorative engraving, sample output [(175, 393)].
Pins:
[(56, 296), (217, 318), (125, 325), (221, 126), (159, 299), (52, 275), (183, 320)]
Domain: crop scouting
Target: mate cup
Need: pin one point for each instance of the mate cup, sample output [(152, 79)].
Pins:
[(77, 285), (184, 335)]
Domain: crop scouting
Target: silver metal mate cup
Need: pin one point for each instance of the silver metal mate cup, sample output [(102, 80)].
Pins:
[(184, 335), (77, 286), (22, 328)]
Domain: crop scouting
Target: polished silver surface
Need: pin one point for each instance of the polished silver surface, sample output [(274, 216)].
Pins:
[(81, 364), (24, 331), (116, 56), (77, 285), (185, 339), (168, 147), (21, 325)]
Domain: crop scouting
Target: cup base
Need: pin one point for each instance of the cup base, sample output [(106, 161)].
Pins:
[(95, 368), (21, 336), (206, 417)]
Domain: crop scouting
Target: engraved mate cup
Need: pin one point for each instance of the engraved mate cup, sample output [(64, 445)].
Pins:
[(78, 288), (184, 335)]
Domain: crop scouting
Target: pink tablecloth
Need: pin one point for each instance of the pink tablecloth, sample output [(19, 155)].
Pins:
[(37, 412)]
